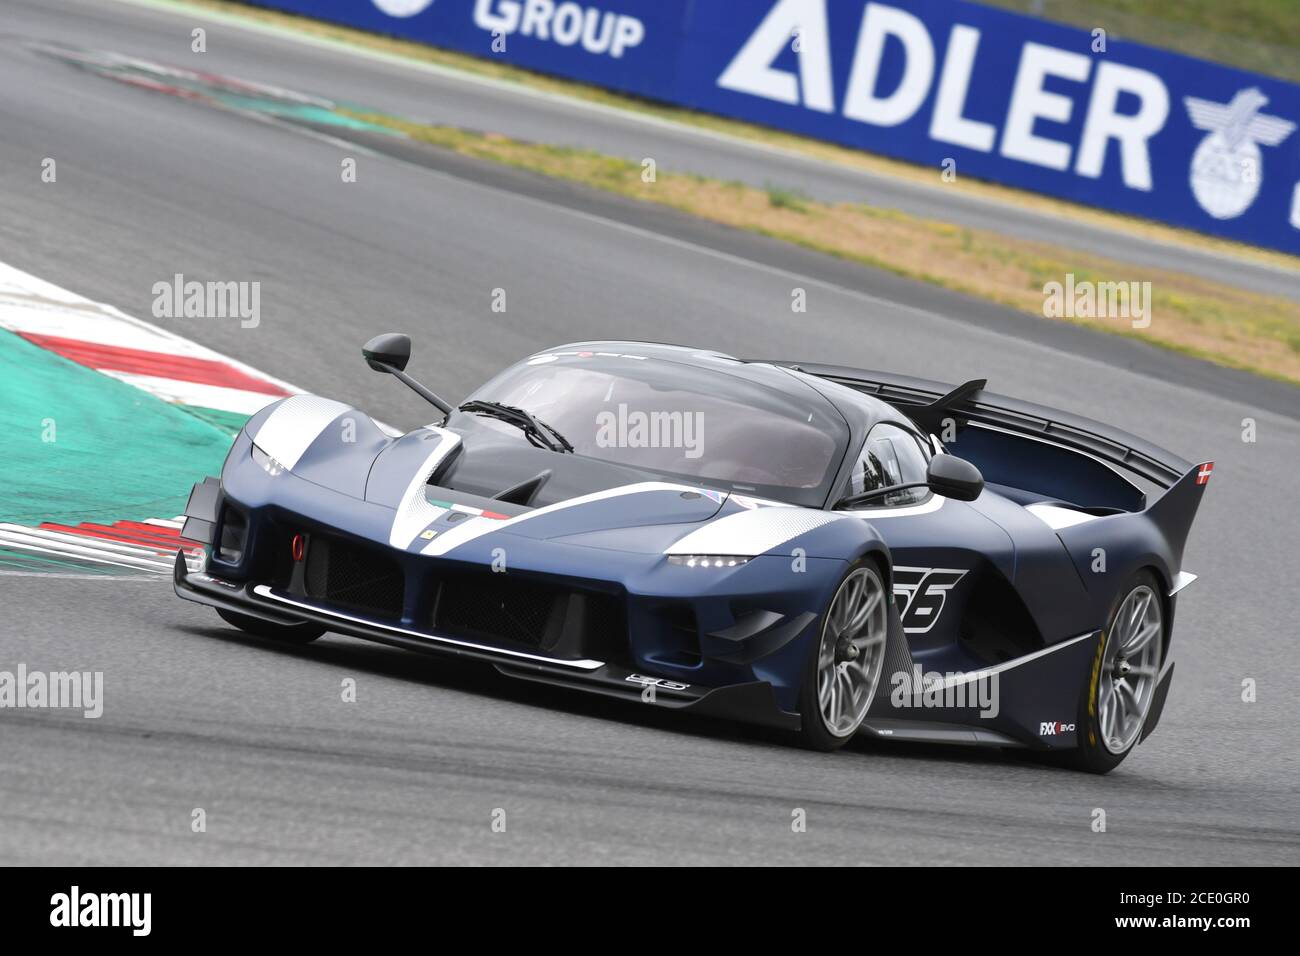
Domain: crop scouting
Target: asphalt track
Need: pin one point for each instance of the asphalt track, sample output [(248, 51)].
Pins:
[(196, 715)]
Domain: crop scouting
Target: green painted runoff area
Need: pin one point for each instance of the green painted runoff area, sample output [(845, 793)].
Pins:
[(81, 446)]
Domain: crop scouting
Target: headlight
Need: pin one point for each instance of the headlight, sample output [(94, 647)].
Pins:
[(269, 464), (707, 560)]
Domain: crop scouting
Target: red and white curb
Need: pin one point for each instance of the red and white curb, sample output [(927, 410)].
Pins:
[(159, 362), (149, 545), (162, 363)]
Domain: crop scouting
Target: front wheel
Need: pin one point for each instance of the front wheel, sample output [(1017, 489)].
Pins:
[(1123, 677), (843, 670), (303, 633)]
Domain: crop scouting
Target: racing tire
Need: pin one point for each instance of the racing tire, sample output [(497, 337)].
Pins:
[(845, 659), (303, 633), (1122, 677)]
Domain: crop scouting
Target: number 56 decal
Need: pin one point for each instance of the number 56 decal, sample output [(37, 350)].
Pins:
[(920, 594)]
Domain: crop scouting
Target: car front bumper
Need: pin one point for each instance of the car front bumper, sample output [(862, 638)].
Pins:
[(752, 702)]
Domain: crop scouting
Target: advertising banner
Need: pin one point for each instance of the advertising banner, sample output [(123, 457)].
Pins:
[(1008, 98)]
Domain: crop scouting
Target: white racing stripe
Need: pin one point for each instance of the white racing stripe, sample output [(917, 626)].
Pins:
[(987, 672), (751, 533), (467, 531), (414, 512), (1056, 517)]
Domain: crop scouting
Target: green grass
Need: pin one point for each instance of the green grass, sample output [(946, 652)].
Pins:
[(780, 198)]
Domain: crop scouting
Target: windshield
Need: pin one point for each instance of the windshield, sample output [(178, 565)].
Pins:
[(713, 428)]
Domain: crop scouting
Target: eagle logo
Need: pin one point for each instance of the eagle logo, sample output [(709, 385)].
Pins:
[(403, 8), (1226, 167)]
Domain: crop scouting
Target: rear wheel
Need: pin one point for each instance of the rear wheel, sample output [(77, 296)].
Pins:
[(843, 671), (1123, 677), (303, 633)]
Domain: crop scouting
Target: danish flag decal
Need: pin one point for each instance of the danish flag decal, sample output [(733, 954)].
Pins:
[(1203, 473)]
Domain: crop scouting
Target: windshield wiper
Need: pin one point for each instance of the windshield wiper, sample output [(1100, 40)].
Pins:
[(535, 430)]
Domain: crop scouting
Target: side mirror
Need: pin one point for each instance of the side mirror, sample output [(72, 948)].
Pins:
[(389, 353), (954, 477), (391, 348)]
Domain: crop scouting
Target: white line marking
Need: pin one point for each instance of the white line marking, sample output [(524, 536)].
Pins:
[(85, 554), (84, 541), (69, 576)]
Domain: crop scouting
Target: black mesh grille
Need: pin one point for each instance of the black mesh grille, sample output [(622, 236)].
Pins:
[(496, 605), (605, 625), (534, 613), (354, 577)]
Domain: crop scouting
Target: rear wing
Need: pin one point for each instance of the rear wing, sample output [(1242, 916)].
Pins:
[(932, 405), (929, 404), (1020, 445)]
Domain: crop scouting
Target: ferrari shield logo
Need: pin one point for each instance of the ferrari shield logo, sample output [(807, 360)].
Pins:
[(1226, 167)]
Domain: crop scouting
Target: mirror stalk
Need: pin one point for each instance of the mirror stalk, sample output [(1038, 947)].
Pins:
[(389, 353), (415, 386)]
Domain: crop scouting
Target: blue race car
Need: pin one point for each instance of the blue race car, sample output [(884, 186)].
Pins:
[(788, 544)]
